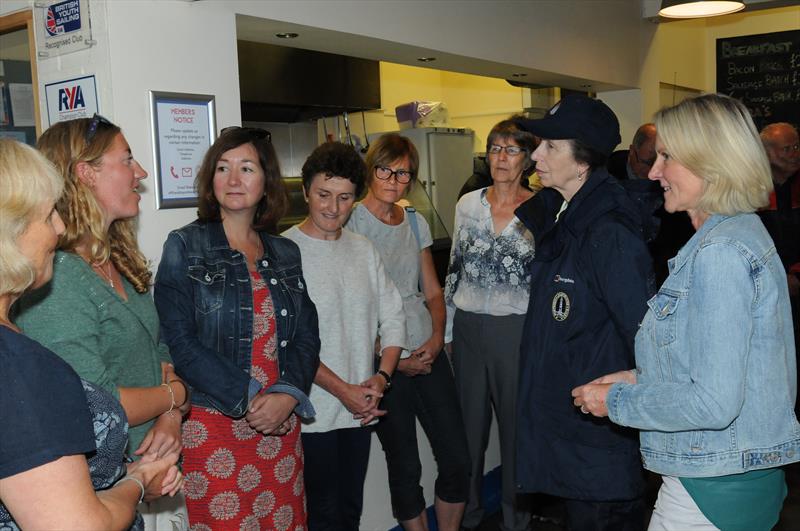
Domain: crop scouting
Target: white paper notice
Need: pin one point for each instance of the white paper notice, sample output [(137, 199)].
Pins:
[(21, 96), (183, 131)]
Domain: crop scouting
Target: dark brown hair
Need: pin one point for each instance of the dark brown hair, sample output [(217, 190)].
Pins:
[(273, 204)]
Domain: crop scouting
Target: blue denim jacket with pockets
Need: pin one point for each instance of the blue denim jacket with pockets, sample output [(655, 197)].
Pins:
[(717, 375), (205, 303)]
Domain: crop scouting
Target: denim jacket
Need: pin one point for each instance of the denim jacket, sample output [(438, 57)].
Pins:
[(715, 354), (205, 304)]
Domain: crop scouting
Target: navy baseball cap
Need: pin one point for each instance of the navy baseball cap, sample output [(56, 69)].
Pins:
[(577, 117)]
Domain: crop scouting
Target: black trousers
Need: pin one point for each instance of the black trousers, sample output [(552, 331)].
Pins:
[(432, 399), (335, 469)]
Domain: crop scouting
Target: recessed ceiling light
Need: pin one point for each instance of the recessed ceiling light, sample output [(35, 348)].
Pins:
[(519, 74), (586, 86), (287, 35), (425, 59)]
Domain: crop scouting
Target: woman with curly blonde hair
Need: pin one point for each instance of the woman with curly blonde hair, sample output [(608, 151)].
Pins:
[(97, 314)]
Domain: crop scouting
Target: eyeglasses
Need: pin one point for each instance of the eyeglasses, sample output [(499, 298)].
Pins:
[(401, 176), (647, 162), (96, 121), (255, 133), (511, 151), (790, 147)]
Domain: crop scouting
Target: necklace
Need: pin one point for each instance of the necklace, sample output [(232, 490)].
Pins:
[(107, 275)]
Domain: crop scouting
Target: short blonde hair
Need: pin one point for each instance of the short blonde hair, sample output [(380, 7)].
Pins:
[(28, 181), (714, 137)]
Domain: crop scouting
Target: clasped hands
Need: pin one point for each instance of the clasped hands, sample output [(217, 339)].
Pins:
[(271, 413), (591, 397)]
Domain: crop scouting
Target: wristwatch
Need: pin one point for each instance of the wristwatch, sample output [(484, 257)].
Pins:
[(387, 378)]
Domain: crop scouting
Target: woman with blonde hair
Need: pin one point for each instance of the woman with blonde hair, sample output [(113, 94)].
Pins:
[(62, 454), (97, 314), (716, 377)]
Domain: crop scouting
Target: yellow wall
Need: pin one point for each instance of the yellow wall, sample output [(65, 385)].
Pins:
[(683, 53), (472, 101)]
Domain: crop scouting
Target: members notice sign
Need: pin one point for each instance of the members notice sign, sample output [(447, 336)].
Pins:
[(62, 27)]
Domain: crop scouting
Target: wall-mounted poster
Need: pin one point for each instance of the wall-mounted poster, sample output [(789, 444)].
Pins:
[(62, 26), (183, 127), (71, 99)]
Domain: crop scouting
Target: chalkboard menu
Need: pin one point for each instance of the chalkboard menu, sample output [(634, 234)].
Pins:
[(763, 71)]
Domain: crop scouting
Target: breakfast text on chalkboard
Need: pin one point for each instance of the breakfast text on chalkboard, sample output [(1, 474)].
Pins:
[(763, 71)]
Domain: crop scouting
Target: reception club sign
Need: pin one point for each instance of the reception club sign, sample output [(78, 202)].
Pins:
[(62, 27)]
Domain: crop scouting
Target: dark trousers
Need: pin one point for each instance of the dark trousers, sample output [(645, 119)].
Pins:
[(335, 469), (486, 362), (605, 516), (432, 399)]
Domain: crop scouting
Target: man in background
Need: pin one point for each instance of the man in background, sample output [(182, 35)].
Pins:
[(636, 161), (782, 216)]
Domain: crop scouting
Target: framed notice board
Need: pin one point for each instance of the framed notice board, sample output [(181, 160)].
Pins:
[(763, 71)]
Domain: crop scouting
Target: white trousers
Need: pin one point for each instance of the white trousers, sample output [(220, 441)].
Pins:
[(675, 510)]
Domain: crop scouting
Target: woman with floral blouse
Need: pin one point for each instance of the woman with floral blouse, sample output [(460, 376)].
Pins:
[(486, 293)]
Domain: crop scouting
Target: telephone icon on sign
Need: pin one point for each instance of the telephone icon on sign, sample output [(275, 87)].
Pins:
[(172, 171)]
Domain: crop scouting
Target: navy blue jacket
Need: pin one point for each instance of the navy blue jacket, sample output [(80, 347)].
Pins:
[(205, 305), (590, 282)]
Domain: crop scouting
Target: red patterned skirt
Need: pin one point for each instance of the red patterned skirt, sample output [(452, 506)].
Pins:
[(236, 478)]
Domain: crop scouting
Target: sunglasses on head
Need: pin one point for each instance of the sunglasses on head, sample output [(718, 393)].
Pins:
[(255, 132), (96, 121)]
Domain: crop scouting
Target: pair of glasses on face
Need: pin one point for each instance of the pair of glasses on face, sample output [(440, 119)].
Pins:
[(255, 133), (511, 151), (647, 162), (790, 148), (384, 174), (94, 124)]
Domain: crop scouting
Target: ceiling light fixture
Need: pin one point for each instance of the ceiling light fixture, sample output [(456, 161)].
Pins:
[(519, 74), (698, 8), (287, 35), (425, 59)]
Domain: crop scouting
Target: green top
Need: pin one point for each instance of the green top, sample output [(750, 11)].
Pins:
[(750, 501), (108, 341)]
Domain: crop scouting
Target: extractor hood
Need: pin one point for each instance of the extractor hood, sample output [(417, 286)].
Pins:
[(284, 84)]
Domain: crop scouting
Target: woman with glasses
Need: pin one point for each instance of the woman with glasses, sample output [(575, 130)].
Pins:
[(62, 453), (486, 291), (97, 313), (422, 387), (242, 330)]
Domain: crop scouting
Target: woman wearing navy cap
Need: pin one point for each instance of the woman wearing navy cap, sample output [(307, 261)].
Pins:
[(590, 279)]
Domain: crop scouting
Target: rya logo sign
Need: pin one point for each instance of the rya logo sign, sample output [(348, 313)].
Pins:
[(70, 98)]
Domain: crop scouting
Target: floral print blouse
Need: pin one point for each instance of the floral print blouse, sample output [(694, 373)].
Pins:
[(488, 273)]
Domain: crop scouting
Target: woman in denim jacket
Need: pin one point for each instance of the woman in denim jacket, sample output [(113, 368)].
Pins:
[(716, 379), (243, 334)]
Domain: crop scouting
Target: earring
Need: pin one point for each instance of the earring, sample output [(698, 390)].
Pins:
[(580, 176)]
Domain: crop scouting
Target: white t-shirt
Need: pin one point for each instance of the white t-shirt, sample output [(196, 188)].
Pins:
[(400, 253), (356, 302)]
